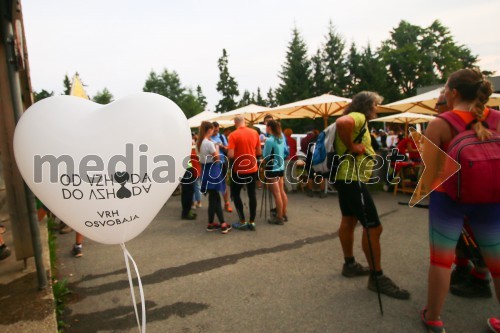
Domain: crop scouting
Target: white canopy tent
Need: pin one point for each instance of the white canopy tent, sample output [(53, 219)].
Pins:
[(323, 106), (425, 103), (252, 113), (406, 118), (196, 120)]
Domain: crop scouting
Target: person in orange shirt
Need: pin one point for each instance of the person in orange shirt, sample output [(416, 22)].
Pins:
[(243, 149)]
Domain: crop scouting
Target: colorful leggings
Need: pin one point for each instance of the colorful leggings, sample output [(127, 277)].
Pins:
[(446, 218)]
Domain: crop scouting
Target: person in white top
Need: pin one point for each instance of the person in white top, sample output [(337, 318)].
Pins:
[(212, 178)]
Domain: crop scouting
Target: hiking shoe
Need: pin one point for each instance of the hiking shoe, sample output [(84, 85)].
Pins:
[(76, 251), (494, 325), (213, 226), (354, 270), (460, 274), (243, 226), (228, 208), (387, 287), (275, 220), (251, 226), (472, 287), (435, 326), (4, 252), (225, 228)]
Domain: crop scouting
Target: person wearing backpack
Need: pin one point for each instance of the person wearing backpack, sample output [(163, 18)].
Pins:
[(353, 141), (469, 134)]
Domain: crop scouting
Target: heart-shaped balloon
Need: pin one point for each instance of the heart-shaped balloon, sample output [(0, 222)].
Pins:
[(105, 170)]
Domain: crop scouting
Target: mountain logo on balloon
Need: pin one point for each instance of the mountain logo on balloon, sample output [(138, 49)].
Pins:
[(122, 178)]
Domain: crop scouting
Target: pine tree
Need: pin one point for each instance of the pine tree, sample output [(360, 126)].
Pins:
[(373, 76), (354, 71), (319, 86), (295, 73), (42, 94), (246, 99), (335, 62), (66, 85), (271, 99), (258, 99), (202, 100), (103, 97), (226, 86)]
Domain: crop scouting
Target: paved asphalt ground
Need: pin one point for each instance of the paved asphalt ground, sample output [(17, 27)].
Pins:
[(277, 279)]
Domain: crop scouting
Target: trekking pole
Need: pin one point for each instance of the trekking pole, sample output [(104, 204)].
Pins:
[(262, 199), (370, 248)]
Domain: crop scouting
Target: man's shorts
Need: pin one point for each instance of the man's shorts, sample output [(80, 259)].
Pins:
[(351, 204)]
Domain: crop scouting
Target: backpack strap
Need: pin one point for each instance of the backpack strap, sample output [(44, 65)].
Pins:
[(493, 120)]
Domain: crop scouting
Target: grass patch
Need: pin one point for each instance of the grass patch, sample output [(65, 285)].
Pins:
[(59, 287)]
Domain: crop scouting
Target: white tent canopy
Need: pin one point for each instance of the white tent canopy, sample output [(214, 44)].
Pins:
[(323, 106), (405, 118), (252, 113), (425, 103), (196, 120)]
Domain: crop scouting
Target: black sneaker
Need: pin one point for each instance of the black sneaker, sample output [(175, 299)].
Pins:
[(472, 287), (225, 228), (354, 270), (76, 251), (213, 226), (4, 252), (310, 193), (387, 287), (459, 274)]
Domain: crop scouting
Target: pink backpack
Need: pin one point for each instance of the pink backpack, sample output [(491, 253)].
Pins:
[(478, 180)]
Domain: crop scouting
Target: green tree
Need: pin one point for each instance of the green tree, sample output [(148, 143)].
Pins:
[(103, 97), (373, 76), (38, 96), (66, 85), (258, 99), (190, 104), (202, 100), (416, 56), (271, 99), (227, 86), (246, 99), (295, 73), (334, 60), (167, 84), (319, 85), (353, 66)]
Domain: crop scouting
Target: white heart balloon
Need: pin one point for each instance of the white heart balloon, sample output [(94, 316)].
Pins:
[(105, 170)]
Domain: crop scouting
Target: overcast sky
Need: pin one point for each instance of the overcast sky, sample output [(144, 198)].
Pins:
[(115, 44)]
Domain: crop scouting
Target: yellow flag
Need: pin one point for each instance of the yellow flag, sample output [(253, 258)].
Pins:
[(77, 88)]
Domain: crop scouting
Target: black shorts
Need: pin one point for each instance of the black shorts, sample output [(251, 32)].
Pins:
[(351, 204), (274, 174)]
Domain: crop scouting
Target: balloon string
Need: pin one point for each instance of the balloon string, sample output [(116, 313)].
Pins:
[(128, 257)]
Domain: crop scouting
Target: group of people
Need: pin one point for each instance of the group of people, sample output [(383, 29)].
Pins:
[(465, 96), (217, 161)]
